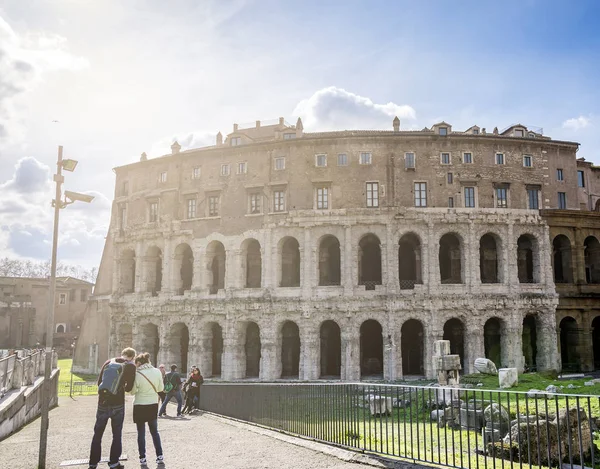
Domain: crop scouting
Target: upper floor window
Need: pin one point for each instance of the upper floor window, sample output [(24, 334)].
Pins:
[(527, 161), (321, 160), (372, 194), (242, 167), (255, 200), (213, 206), (443, 130), (468, 158), (72, 295), (122, 216), (280, 163), (501, 197), (409, 160), (450, 178), (83, 295), (562, 200), (580, 179), (445, 158), (533, 196), (62, 299), (420, 194), (499, 158), (162, 176), (225, 170), (191, 208), (279, 201), (235, 141), (342, 159), (196, 172), (322, 198), (289, 136), (559, 175), (469, 197), (153, 215), (518, 132), (475, 131), (125, 188), (450, 202), (365, 158)]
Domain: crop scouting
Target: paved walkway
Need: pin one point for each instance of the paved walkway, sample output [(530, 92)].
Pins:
[(195, 442)]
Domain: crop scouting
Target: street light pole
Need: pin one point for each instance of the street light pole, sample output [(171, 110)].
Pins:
[(59, 179)]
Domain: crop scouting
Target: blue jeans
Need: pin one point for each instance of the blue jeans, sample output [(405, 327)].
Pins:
[(141, 429), (116, 414), (172, 393)]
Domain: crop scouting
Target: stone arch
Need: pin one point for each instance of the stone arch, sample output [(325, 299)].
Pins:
[(412, 348), (216, 348), (331, 349), (290, 262), (252, 348), (450, 259), (329, 261), (61, 328), (127, 270), (592, 259), (371, 349), (290, 350), (570, 342), (488, 259), (216, 264), (596, 341), (409, 261), (562, 260), (154, 272), (184, 268), (528, 259), (179, 342), (251, 263), (150, 341), (454, 331), (529, 336), (369, 261), (492, 339)]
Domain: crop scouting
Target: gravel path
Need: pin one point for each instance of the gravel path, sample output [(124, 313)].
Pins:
[(195, 442)]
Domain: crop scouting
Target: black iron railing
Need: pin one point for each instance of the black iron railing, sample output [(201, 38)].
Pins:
[(80, 388), (463, 428)]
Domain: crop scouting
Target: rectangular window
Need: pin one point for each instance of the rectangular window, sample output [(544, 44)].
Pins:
[(580, 179), (224, 170), (499, 158), (420, 194), (559, 175), (289, 136), (450, 202), (242, 167), (125, 188), (162, 177), (409, 160), (322, 198), (280, 163), (469, 197), (527, 161), (196, 172), (72, 295), (235, 141), (62, 300), (321, 161), (467, 158), (83, 295), (213, 206), (501, 197), (279, 201), (562, 200), (123, 217), (533, 199), (445, 158), (450, 178), (191, 208), (255, 203), (443, 131), (475, 131), (153, 212), (519, 133), (342, 159), (372, 194), (365, 158)]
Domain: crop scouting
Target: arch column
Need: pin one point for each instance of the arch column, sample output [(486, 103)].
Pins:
[(471, 266), (474, 347), (511, 343), (430, 335), (310, 353), (546, 274), (204, 342), (234, 357), (164, 353), (548, 357), (233, 270), (391, 267), (579, 259), (136, 338), (167, 285), (351, 355), (198, 280), (433, 260), (385, 274), (139, 266), (347, 263), (307, 270), (266, 254), (510, 267), (392, 359), (268, 356)]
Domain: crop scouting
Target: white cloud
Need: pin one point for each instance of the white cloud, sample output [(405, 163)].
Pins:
[(577, 123), (335, 108), (187, 140)]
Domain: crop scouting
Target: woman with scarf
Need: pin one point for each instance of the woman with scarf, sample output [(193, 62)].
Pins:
[(193, 391)]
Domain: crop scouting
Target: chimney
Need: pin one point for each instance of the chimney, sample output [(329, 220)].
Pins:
[(396, 124), (299, 125), (144, 157), (235, 127), (258, 124), (281, 121), (495, 130), (175, 147), (219, 138)]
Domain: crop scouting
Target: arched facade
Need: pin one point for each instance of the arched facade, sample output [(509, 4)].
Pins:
[(410, 271), (330, 272)]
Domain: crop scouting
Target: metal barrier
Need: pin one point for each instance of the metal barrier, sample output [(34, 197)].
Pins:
[(7, 366), (80, 388), (462, 428)]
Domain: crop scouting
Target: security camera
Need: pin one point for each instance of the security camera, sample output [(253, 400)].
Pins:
[(77, 196)]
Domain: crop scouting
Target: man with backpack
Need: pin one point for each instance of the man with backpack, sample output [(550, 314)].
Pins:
[(173, 389), (116, 377)]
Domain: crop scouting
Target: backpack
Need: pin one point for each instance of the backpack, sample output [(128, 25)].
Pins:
[(168, 384), (112, 377)]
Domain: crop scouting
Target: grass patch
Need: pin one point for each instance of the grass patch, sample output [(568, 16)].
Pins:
[(79, 388)]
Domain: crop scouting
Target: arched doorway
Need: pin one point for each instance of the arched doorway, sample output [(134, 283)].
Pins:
[(252, 349), (592, 259), (184, 259), (252, 263), (150, 341), (409, 261), (530, 342), (290, 263), (215, 254), (569, 344), (329, 261), (488, 259), (492, 339), (412, 348), (525, 259), (331, 350), (290, 350), (369, 261), (563, 272), (454, 331), (371, 349), (596, 341), (180, 341), (450, 259), (60, 329), (216, 348)]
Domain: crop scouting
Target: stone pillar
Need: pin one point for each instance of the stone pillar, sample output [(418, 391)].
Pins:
[(547, 358), (431, 335), (347, 262), (307, 255), (384, 266), (310, 355), (266, 253), (165, 353), (578, 260), (474, 346), (136, 333), (198, 280), (586, 349), (204, 344), (546, 274), (391, 355), (233, 364), (139, 269), (472, 275), (268, 356), (391, 266), (396, 354), (433, 259), (167, 285), (351, 356), (511, 344), (233, 271), (510, 266), (117, 286)]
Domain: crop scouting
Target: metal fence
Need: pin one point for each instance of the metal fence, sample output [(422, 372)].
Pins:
[(463, 428), (80, 388), (7, 366)]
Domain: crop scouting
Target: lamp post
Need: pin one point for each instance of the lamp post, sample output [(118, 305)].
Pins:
[(72, 361), (67, 165)]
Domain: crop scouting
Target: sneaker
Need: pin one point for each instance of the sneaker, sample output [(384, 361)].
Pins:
[(143, 460), (179, 415), (118, 466), (160, 459)]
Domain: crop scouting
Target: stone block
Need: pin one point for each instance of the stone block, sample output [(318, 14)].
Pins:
[(380, 405), (441, 347), (490, 436), (508, 377), (485, 366), (471, 419), (451, 362)]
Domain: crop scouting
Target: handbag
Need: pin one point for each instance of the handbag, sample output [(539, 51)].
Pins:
[(153, 387)]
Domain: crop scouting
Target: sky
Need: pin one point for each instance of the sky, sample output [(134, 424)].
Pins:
[(111, 79)]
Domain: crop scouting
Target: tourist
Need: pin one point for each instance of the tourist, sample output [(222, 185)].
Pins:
[(172, 384), (148, 383), (162, 394), (116, 376), (193, 390)]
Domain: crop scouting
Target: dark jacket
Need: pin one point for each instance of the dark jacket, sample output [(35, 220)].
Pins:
[(174, 378), (193, 384), (125, 386)]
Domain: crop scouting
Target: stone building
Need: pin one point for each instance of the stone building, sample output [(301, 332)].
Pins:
[(278, 253)]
